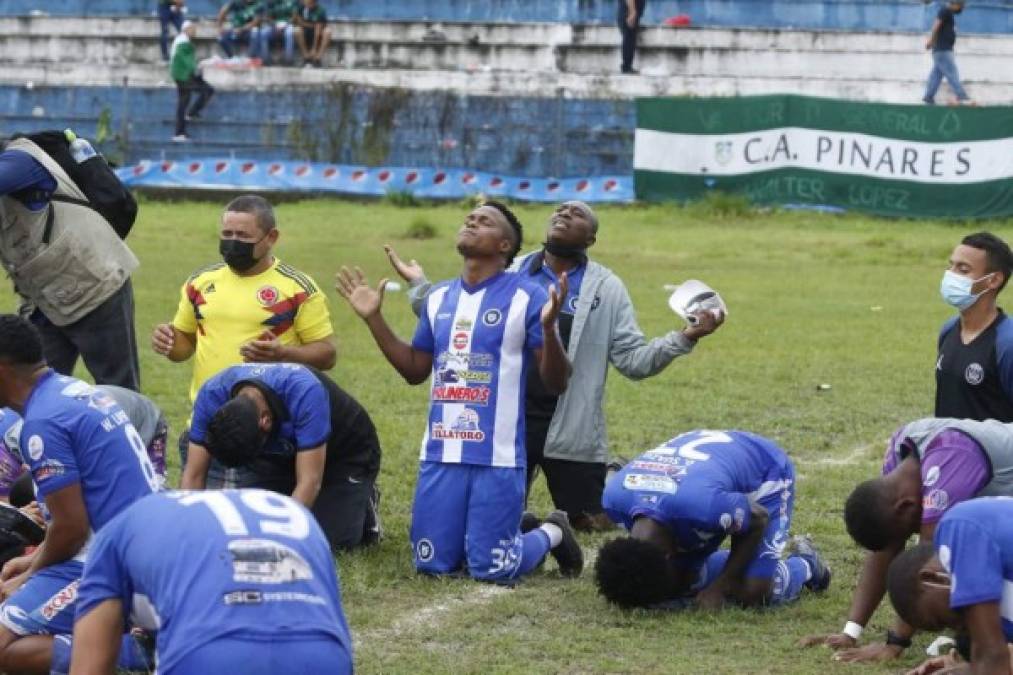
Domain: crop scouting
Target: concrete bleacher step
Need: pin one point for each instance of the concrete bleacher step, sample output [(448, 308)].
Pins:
[(529, 59)]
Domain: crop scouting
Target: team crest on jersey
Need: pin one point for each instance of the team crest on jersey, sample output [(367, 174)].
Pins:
[(492, 317), (937, 500), (262, 561), (267, 295), (460, 341), (35, 447), (424, 550), (974, 374)]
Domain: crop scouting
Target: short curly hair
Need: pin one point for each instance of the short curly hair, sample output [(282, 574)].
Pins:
[(20, 342), (903, 585), (632, 573), (234, 437), (515, 225), (868, 515)]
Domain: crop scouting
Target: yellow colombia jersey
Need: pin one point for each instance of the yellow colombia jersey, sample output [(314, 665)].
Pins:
[(225, 311)]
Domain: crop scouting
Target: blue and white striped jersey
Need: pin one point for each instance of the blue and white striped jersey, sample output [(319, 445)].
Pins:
[(482, 338)]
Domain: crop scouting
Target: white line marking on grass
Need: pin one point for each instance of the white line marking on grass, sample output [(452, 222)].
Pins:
[(430, 617), (853, 457)]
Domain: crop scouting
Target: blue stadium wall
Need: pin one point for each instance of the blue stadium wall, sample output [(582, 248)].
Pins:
[(535, 137), (981, 16)]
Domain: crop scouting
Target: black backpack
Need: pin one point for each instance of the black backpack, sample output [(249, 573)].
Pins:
[(103, 189)]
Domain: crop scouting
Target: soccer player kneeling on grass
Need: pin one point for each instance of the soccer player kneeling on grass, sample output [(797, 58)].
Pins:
[(931, 465), (289, 428), (679, 502), (961, 580), (478, 335), (257, 596)]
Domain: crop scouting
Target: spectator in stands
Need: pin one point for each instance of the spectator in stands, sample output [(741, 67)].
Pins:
[(941, 41), (188, 80), (75, 279), (315, 34), (169, 12), (277, 25), (630, 13), (243, 19)]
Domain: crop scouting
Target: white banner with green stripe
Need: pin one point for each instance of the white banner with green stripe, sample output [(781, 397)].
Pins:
[(889, 159)]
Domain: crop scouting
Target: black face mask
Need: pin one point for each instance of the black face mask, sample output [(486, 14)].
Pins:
[(239, 254), (566, 252)]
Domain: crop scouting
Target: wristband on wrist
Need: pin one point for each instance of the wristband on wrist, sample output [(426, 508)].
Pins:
[(853, 630), (896, 640)]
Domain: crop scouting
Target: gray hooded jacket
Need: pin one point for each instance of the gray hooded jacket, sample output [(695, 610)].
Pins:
[(604, 331)]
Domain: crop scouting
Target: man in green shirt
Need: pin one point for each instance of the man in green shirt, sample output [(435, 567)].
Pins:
[(276, 25), (314, 34), (243, 18), (183, 69)]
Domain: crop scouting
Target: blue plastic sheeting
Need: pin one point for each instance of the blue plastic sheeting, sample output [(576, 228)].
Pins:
[(981, 16), (236, 174)]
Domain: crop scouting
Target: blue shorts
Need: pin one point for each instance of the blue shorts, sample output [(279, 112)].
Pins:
[(468, 515), (45, 604), (302, 656)]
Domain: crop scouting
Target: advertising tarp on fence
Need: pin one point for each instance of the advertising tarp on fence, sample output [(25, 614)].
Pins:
[(919, 161), (237, 174)]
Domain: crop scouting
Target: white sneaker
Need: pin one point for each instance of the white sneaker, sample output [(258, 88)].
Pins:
[(180, 138)]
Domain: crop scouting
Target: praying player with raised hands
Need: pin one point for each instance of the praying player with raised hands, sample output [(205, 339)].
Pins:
[(477, 337)]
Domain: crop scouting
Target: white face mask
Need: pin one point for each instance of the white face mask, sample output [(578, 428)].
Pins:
[(956, 289)]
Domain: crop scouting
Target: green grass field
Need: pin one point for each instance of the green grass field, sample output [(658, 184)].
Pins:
[(814, 299)]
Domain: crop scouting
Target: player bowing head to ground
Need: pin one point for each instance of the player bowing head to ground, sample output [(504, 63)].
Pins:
[(679, 501), (961, 580), (477, 337), (89, 464), (931, 465), (289, 428), (259, 595)]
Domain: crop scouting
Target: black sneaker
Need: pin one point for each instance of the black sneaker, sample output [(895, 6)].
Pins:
[(802, 546), (568, 554), (529, 522)]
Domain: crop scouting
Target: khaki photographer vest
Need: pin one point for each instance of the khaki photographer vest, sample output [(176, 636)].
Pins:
[(84, 261)]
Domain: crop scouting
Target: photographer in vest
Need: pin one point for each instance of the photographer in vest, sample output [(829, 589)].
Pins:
[(68, 264), (931, 465)]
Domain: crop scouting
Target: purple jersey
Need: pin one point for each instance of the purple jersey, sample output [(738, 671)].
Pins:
[(10, 461), (954, 468)]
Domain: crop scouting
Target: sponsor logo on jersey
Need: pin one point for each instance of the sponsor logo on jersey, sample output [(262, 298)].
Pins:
[(466, 421), (36, 446), (463, 324), (650, 483), (461, 394), (424, 550), (210, 288), (442, 433), (64, 598), (267, 295), (492, 317), (49, 469), (937, 499), (664, 467), (931, 476), (471, 360), (460, 341), (974, 374), (243, 598), (262, 561)]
